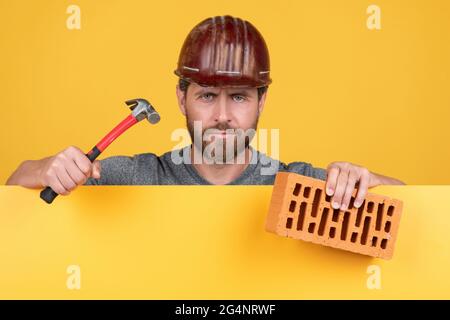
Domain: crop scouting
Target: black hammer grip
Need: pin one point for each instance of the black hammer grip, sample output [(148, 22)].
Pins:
[(48, 195)]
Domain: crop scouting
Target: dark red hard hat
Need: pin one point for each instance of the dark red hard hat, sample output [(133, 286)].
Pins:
[(225, 51)]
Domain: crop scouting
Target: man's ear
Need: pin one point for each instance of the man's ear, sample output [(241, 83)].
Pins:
[(181, 97), (262, 101)]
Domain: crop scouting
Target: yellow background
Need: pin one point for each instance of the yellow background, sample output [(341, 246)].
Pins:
[(379, 98), (138, 243)]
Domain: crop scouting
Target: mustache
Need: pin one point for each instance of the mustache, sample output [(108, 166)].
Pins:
[(221, 127)]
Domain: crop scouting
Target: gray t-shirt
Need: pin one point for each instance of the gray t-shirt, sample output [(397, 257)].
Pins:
[(150, 169)]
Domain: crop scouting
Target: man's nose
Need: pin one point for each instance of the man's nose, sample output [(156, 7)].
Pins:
[(222, 110)]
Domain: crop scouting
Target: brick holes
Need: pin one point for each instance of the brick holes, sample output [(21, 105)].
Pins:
[(289, 223), (345, 225), (306, 192), (352, 201), (359, 214), (387, 227), (370, 229), (365, 230), (374, 241), (325, 216), (323, 222), (332, 232), (379, 216), (292, 206), (390, 211), (297, 188), (335, 215), (316, 202), (301, 216), (370, 207)]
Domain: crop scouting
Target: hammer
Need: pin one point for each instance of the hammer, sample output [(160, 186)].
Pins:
[(141, 109)]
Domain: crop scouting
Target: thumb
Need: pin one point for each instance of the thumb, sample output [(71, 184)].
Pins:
[(96, 169)]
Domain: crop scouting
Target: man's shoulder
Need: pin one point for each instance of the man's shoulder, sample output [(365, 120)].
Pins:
[(144, 157), (123, 169), (124, 162), (305, 169), (136, 160)]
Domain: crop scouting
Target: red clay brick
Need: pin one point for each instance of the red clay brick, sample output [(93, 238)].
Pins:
[(300, 209)]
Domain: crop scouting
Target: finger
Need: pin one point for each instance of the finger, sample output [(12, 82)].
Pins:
[(352, 179), (75, 172), (57, 186), (332, 176), (82, 161), (340, 189), (362, 190), (96, 169), (65, 178)]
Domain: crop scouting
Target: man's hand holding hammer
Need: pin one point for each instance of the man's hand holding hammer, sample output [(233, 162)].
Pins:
[(62, 172)]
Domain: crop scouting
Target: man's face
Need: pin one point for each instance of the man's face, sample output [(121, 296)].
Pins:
[(221, 109)]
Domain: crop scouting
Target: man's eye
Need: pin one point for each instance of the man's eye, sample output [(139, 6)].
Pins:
[(238, 98), (207, 96)]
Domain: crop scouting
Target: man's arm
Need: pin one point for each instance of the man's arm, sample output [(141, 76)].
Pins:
[(378, 179), (27, 174), (343, 177), (63, 172)]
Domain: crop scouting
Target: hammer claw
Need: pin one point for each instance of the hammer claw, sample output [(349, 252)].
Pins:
[(132, 104)]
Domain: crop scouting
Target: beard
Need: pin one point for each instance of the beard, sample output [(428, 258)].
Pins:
[(230, 147)]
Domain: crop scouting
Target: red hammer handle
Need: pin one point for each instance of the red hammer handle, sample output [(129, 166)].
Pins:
[(48, 195)]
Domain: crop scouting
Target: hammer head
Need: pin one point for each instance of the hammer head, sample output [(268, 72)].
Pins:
[(143, 109)]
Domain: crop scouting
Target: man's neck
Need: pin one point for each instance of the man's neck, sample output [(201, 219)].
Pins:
[(222, 173)]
